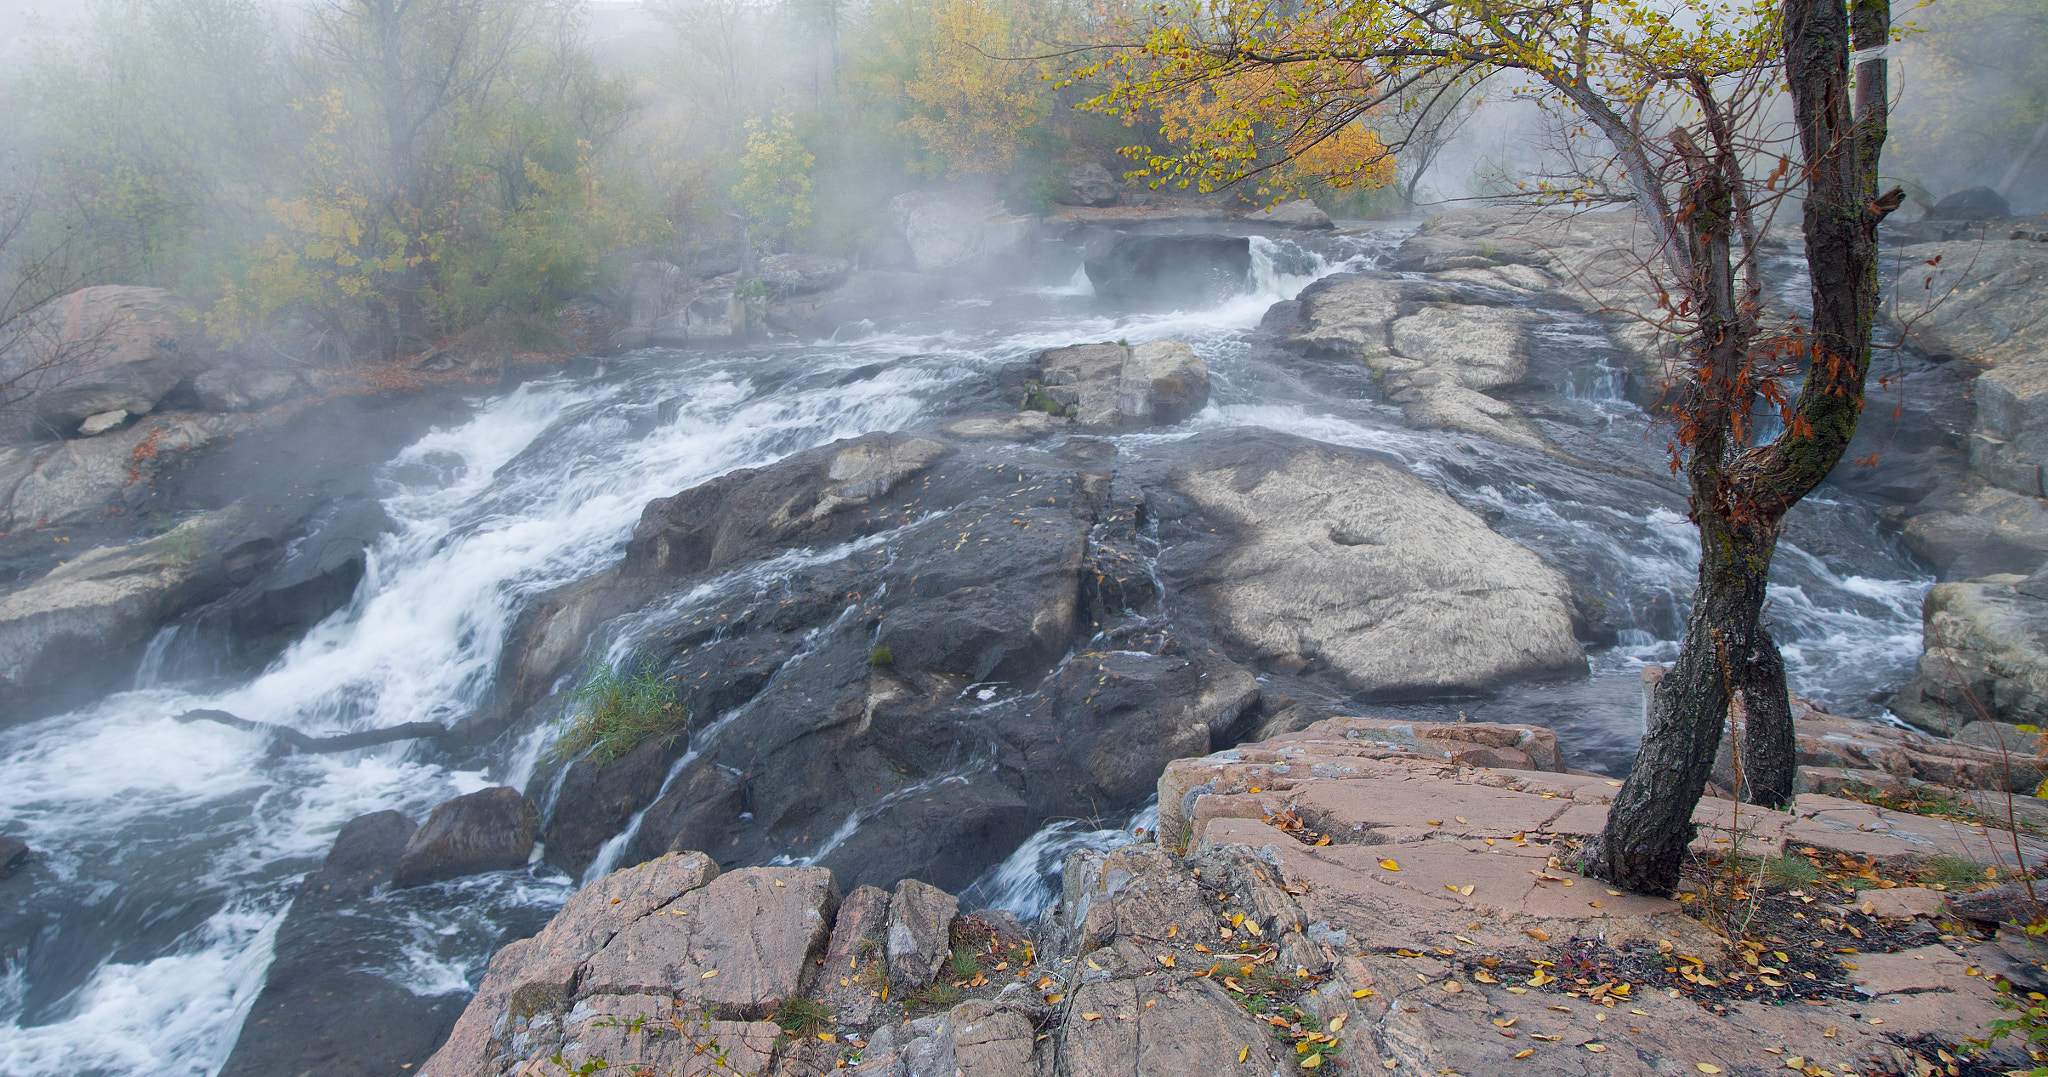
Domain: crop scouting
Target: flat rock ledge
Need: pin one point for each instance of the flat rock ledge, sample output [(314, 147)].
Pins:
[(1363, 893)]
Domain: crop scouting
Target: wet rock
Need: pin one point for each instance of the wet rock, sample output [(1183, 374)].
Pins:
[(317, 575), (306, 1018), (697, 812), (1971, 204), (736, 948), (597, 799), (734, 516), (123, 349), (1090, 185), (1336, 557), (856, 963), (13, 856), (1114, 387), (1300, 213), (920, 932), (96, 605), (1982, 656), (1172, 268), (488, 830)]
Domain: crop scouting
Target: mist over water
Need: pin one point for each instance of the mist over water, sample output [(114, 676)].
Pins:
[(166, 850)]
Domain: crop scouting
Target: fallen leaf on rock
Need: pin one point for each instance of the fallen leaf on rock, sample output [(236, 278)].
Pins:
[(1596, 1048), (1459, 818), (1537, 933), (1541, 978), (1796, 1062), (1311, 1062), (1054, 1000), (1544, 1038), (828, 1037), (1453, 987), (782, 884), (1243, 1053), (1091, 1017), (1337, 1023), (708, 975), (1484, 978), (1390, 865), (1201, 949), (1525, 1052), (1166, 959), (1440, 822), (1706, 1067), (1361, 993)]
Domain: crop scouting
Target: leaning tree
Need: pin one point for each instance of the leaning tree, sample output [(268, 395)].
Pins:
[(1680, 98)]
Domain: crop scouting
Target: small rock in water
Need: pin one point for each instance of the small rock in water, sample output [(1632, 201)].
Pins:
[(489, 830), (13, 856)]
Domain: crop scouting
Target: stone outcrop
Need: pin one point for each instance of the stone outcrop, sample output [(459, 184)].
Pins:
[(1358, 894), (106, 348), (954, 593), (1172, 268), (948, 231), (1336, 557), (488, 830), (1113, 387), (1836, 752), (1299, 213), (920, 935), (1984, 656)]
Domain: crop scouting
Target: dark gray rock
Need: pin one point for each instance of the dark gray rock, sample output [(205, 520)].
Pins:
[(13, 856), (488, 830), (1971, 204), (1172, 268)]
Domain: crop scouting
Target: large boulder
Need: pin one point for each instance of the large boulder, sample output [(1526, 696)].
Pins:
[(103, 349), (94, 607), (946, 230), (1090, 185), (1971, 204), (1300, 213), (1121, 387), (1966, 299), (1338, 558), (1172, 268), (488, 830), (1984, 655)]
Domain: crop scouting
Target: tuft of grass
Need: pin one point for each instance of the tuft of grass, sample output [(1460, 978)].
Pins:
[(1954, 871), (941, 996), (881, 656), (963, 962), (802, 1017), (616, 711), (1792, 871)]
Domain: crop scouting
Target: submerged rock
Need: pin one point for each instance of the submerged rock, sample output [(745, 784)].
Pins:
[(14, 855), (488, 830)]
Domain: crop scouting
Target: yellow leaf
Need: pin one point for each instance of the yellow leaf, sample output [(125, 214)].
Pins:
[(1337, 1023), (1311, 1062), (828, 1037), (1244, 1052), (1361, 993), (708, 975), (1091, 1017), (1390, 865), (1465, 890), (1435, 822), (1054, 1000), (1525, 1052), (1484, 977), (1706, 1067), (1537, 933), (1166, 959)]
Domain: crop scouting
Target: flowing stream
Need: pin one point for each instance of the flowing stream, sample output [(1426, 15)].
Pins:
[(166, 851)]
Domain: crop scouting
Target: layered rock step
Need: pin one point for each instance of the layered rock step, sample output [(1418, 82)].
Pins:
[(1363, 895)]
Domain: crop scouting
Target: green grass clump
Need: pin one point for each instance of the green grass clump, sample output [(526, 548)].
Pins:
[(802, 1017), (616, 711), (881, 656), (1951, 871), (1792, 871)]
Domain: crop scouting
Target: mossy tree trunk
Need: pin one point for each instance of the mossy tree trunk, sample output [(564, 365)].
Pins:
[(1740, 495)]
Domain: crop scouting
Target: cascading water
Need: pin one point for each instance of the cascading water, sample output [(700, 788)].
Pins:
[(166, 849)]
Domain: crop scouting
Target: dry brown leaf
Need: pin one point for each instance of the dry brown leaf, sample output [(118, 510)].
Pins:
[(1537, 933)]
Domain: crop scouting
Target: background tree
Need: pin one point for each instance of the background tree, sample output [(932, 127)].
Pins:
[(1678, 93)]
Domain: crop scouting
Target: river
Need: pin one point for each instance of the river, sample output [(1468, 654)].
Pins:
[(166, 851)]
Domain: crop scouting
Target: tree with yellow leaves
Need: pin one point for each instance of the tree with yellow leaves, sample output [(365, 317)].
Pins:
[(972, 101), (1672, 98)]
